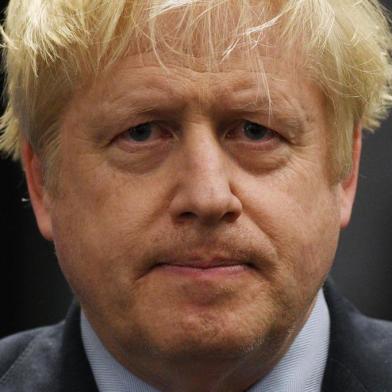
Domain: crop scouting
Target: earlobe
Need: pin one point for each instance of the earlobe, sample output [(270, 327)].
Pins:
[(348, 185), (38, 194)]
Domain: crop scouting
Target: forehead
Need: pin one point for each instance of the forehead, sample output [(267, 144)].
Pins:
[(140, 83), (215, 46), (263, 69), (212, 45)]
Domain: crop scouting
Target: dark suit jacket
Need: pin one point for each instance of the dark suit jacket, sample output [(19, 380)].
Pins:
[(52, 358)]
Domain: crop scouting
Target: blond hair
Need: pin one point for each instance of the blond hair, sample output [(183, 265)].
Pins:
[(52, 47)]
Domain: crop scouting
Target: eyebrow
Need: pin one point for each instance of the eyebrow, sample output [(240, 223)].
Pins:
[(278, 107), (121, 107)]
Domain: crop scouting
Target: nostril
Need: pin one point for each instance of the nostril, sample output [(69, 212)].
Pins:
[(188, 215), (231, 217)]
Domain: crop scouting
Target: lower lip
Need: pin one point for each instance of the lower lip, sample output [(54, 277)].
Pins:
[(196, 272)]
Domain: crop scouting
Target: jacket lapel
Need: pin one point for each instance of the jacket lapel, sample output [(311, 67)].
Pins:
[(75, 371), (342, 370), (338, 378)]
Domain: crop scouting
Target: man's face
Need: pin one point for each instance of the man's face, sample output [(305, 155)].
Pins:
[(192, 221)]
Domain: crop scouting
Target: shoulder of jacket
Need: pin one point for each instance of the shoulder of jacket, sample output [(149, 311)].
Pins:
[(21, 354), (360, 347)]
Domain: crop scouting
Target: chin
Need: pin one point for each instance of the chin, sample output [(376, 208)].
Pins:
[(224, 345), (210, 333)]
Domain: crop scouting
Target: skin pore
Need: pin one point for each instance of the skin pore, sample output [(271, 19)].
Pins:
[(194, 224)]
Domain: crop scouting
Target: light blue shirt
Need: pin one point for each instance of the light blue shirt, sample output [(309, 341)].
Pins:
[(300, 370)]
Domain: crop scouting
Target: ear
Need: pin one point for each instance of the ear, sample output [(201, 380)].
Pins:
[(39, 197), (348, 185)]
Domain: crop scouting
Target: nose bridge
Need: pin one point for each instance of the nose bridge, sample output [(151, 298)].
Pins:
[(204, 190), (205, 160)]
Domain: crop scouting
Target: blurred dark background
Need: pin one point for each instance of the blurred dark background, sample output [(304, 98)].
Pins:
[(33, 291)]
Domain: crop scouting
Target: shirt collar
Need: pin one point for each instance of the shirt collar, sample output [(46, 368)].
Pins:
[(300, 370)]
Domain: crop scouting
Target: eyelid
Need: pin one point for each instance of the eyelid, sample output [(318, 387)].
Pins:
[(241, 123), (156, 127)]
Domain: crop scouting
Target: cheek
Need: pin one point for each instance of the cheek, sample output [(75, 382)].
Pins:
[(299, 214), (97, 226)]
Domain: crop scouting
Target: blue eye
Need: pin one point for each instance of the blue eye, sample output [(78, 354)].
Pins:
[(251, 132), (256, 131), (140, 133)]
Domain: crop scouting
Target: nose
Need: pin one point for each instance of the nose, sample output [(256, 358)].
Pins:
[(204, 192)]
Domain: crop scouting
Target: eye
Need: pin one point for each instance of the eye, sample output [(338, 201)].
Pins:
[(256, 132), (146, 132), (252, 131)]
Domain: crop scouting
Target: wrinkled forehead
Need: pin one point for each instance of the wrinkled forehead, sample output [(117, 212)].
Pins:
[(180, 76)]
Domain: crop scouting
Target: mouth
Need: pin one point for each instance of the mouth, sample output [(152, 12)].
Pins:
[(207, 268)]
